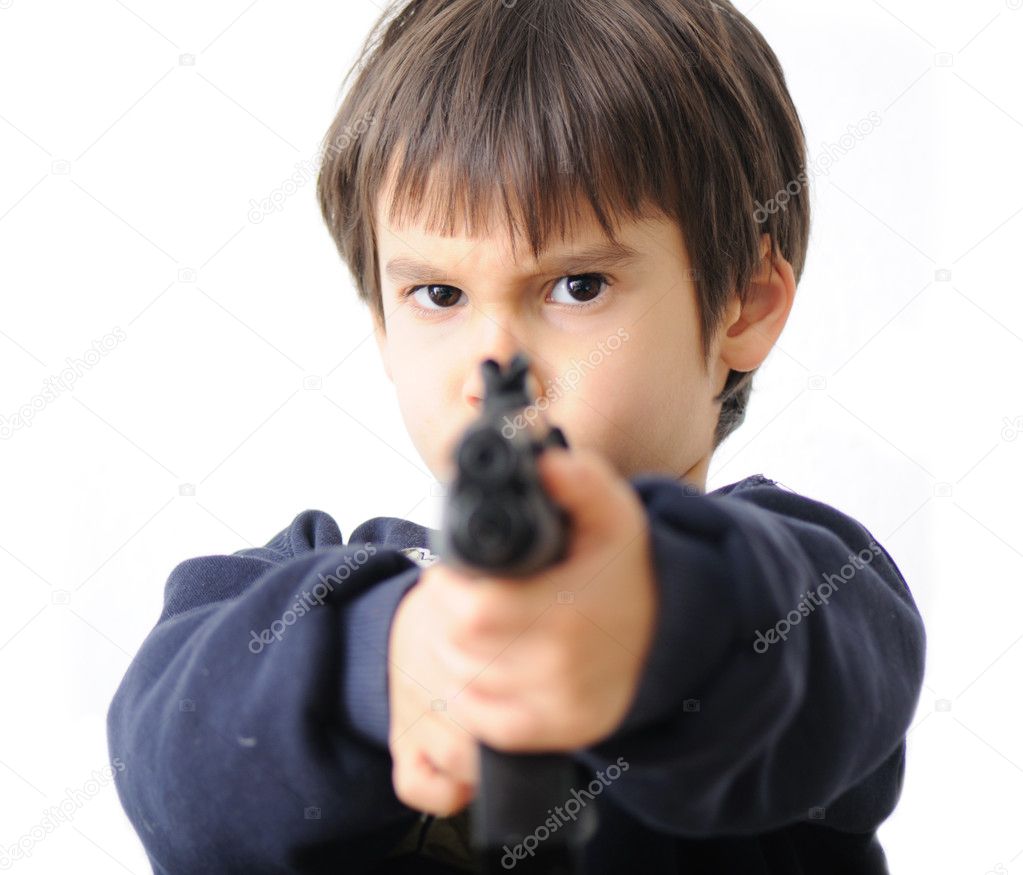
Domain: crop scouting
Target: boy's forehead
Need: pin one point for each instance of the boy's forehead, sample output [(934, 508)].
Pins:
[(584, 231)]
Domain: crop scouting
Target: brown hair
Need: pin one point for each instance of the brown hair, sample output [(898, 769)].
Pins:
[(676, 103)]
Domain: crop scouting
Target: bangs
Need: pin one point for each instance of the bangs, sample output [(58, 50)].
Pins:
[(458, 195), (505, 121)]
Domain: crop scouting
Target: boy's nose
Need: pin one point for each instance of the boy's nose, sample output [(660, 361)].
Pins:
[(497, 336), (474, 384)]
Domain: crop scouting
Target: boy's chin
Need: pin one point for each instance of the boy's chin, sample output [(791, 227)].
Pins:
[(442, 465), (443, 470)]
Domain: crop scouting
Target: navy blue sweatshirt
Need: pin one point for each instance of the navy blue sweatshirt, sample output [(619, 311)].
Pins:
[(767, 734)]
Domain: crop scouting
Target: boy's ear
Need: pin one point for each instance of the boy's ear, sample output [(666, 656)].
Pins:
[(380, 335), (751, 330)]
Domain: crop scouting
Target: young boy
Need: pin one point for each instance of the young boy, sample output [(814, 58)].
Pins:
[(616, 188)]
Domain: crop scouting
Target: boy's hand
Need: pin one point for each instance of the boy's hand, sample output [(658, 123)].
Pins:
[(550, 662), (435, 762)]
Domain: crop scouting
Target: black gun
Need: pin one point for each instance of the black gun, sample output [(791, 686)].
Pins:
[(498, 519)]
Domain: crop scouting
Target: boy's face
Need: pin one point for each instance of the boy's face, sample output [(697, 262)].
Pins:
[(624, 376)]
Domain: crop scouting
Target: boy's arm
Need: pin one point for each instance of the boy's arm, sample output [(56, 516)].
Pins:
[(731, 733), (247, 728)]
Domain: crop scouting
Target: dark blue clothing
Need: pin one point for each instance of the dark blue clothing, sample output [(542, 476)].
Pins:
[(767, 734)]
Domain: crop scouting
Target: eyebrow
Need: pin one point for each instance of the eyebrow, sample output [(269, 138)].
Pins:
[(600, 255)]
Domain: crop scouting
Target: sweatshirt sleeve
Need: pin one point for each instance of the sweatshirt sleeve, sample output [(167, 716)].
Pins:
[(250, 722), (785, 669)]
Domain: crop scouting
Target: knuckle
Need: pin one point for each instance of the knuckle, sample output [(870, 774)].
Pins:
[(450, 759), (578, 727), (413, 790), (558, 660), (594, 466), (405, 785), (584, 475), (516, 731), (449, 800), (471, 615)]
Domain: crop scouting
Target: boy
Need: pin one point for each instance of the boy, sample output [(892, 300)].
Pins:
[(583, 180)]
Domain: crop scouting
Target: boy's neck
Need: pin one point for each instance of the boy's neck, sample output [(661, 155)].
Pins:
[(697, 475)]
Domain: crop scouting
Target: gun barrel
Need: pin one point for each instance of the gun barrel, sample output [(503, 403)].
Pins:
[(498, 518), (485, 457)]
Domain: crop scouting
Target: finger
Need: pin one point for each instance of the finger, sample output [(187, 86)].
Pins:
[(486, 611), (506, 725), (464, 665), (450, 748), (533, 387), (420, 785)]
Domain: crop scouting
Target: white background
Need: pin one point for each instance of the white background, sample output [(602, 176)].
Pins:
[(125, 187)]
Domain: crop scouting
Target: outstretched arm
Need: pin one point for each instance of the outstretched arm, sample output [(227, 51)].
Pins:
[(246, 722), (785, 668)]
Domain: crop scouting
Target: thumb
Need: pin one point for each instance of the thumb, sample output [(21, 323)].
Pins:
[(579, 480)]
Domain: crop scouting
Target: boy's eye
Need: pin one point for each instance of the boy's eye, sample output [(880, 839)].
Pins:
[(435, 298), (582, 291), (581, 288)]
